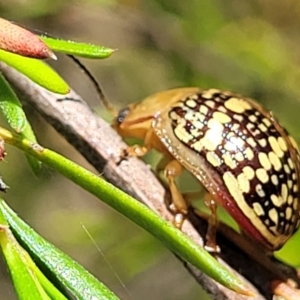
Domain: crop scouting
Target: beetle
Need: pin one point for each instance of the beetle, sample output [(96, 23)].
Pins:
[(245, 160)]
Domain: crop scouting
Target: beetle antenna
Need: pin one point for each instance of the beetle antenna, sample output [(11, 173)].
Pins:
[(100, 93)]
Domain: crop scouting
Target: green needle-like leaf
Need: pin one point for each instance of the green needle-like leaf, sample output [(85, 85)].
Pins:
[(20, 263), (173, 238), (35, 164), (37, 71), (13, 112), (26, 284), (44, 282), (75, 48), (11, 107), (73, 276)]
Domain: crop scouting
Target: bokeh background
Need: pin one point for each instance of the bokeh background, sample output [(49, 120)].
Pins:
[(250, 47)]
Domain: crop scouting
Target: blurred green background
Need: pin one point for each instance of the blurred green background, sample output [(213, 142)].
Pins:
[(250, 47)]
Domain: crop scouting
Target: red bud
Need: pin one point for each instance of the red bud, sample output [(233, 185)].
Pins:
[(18, 40)]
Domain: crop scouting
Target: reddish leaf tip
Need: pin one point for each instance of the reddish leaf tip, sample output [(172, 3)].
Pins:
[(52, 55), (16, 39)]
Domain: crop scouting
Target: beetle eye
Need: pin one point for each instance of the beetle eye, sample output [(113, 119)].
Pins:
[(122, 114)]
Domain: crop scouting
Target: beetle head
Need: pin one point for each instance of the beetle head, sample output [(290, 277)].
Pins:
[(136, 119)]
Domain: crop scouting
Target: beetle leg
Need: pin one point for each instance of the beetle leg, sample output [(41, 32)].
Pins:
[(134, 151), (212, 220), (139, 150), (211, 244), (178, 206), (285, 290)]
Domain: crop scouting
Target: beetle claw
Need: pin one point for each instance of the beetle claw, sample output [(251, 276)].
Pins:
[(178, 220), (212, 248), (123, 156)]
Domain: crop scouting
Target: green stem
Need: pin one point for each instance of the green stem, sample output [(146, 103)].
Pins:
[(173, 238)]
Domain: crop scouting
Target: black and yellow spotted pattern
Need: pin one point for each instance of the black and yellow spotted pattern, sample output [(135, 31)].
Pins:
[(246, 157)]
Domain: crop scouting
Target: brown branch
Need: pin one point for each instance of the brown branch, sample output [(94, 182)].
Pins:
[(101, 146)]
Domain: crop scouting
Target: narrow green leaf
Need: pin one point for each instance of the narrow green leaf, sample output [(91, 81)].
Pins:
[(26, 284), (13, 112), (3, 221), (72, 275), (75, 48), (37, 71), (11, 107), (173, 238), (34, 163), (44, 282), (20, 263)]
